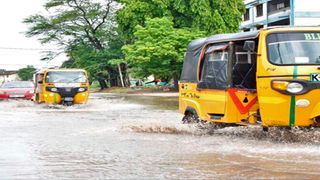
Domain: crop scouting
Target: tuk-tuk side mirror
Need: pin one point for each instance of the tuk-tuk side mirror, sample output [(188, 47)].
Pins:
[(249, 46), (40, 82)]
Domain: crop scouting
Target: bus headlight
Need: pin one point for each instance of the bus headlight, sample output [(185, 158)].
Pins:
[(294, 88)]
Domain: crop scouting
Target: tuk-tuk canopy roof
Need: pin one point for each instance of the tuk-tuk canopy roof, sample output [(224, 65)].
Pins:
[(191, 59), (42, 71), (195, 44), (64, 70)]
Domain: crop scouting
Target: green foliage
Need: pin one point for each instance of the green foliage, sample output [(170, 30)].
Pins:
[(158, 48), (98, 63), (211, 16), (135, 13), (155, 33), (26, 73)]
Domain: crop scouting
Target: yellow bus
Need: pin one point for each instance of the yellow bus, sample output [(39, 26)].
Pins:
[(268, 77), (61, 86)]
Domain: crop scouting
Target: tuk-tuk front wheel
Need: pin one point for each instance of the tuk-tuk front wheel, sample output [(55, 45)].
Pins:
[(67, 103), (37, 99)]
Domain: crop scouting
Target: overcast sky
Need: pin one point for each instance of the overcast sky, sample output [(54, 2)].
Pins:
[(12, 13)]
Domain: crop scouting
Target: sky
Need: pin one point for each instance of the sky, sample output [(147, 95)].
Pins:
[(17, 50)]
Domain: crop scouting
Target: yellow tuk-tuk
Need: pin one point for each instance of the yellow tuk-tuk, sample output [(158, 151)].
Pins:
[(269, 77), (61, 86)]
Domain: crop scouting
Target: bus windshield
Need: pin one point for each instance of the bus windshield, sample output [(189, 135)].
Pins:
[(66, 77), (294, 48)]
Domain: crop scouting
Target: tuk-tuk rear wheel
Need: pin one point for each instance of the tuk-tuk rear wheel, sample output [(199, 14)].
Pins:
[(190, 118)]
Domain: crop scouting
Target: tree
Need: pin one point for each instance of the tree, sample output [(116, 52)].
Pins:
[(72, 24), (98, 63), (156, 33), (158, 49), (211, 16), (26, 73)]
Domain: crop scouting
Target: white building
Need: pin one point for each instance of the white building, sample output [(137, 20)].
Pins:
[(264, 13), (6, 76)]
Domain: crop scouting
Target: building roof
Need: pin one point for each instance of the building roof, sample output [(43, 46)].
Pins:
[(3, 72)]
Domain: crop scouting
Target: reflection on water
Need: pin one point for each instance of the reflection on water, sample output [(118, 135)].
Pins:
[(133, 137)]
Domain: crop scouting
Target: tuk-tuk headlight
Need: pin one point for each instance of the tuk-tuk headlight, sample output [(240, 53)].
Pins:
[(289, 87), (294, 87), (53, 89), (81, 89)]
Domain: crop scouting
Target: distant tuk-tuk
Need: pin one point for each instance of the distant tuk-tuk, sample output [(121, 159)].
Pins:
[(61, 86), (268, 77)]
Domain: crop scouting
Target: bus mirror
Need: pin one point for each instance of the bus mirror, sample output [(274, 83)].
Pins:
[(249, 46)]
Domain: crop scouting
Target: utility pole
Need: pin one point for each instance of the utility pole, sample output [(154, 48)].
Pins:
[(120, 73)]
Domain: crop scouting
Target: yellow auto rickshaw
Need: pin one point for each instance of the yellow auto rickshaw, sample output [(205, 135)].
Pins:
[(268, 77), (61, 86)]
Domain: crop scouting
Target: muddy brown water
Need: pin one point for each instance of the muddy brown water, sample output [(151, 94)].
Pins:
[(141, 137)]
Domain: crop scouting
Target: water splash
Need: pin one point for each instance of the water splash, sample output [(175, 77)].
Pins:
[(156, 128), (275, 134)]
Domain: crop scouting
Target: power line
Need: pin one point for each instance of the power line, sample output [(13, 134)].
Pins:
[(28, 49), (22, 64)]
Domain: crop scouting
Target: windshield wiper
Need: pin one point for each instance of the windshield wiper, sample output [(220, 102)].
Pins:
[(74, 79), (278, 47)]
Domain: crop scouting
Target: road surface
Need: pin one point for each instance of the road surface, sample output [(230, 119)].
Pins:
[(141, 137)]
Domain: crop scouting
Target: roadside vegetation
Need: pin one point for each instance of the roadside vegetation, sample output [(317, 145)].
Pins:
[(26, 73), (114, 38)]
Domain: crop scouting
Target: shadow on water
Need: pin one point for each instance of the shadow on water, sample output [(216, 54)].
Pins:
[(169, 103), (157, 102)]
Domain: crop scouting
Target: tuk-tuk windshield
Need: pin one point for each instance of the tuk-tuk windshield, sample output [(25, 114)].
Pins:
[(294, 48), (66, 77)]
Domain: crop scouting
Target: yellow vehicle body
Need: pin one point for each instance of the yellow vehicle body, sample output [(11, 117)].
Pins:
[(61, 86), (284, 93)]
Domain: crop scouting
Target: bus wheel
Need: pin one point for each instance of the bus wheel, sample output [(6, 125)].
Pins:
[(190, 118)]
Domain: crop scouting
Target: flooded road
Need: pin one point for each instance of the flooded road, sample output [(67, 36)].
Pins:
[(134, 137)]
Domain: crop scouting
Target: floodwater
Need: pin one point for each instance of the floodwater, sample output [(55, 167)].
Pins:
[(134, 137)]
